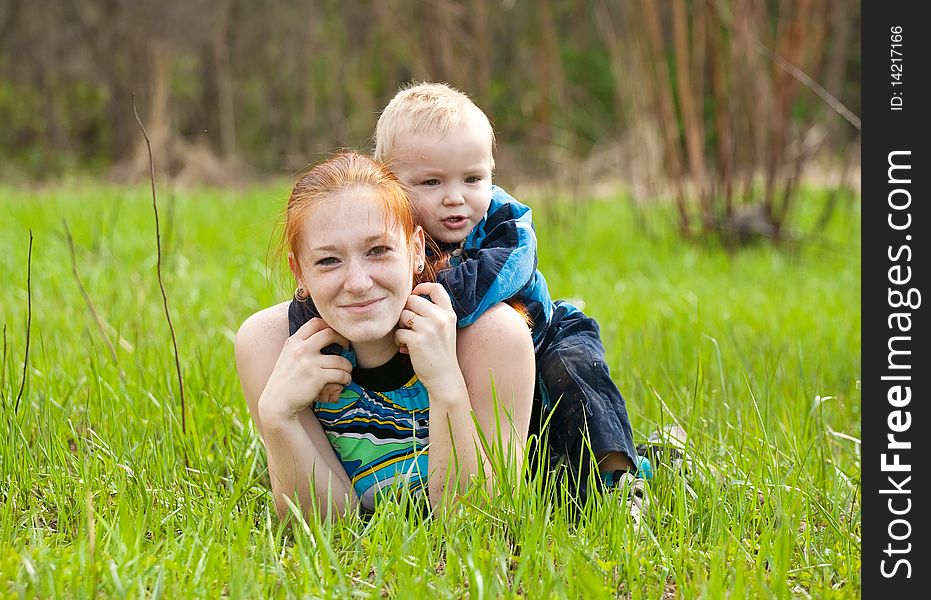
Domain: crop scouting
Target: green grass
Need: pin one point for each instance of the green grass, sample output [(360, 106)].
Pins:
[(756, 354)]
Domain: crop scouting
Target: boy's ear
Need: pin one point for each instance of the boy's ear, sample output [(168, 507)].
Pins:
[(295, 267)]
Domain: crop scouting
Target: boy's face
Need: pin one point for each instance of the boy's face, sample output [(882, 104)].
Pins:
[(449, 177)]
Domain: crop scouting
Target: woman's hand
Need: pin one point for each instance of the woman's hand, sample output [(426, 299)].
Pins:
[(428, 332), (303, 374)]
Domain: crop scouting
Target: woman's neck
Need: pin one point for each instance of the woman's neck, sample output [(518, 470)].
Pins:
[(375, 353)]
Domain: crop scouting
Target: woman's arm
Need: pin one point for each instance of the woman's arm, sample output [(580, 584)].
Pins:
[(278, 375), (494, 355)]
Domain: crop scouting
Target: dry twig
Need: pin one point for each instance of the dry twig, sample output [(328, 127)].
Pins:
[(3, 369), (158, 269), (22, 384)]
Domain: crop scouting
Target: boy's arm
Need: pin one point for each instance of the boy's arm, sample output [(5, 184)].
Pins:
[(504, 263)]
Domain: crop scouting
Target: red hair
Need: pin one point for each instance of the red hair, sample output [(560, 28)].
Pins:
[(343, 171)]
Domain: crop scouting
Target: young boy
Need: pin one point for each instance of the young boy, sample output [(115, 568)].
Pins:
[(440, 145)]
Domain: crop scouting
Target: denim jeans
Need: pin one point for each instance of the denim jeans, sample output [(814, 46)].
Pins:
[(587, 414)]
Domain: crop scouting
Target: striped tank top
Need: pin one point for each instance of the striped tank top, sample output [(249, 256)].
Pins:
[(379, 429)]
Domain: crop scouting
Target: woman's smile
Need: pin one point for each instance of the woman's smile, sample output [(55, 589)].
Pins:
[(363, 306)]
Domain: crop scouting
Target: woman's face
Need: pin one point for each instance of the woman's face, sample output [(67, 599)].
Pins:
[(358, 273)]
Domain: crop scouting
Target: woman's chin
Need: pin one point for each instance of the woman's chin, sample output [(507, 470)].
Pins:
[(362, 333)]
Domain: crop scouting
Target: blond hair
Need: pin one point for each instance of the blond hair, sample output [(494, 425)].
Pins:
[(426, 107)]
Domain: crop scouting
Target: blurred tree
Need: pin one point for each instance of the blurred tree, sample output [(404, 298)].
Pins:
[(700, 93), (739, 146)]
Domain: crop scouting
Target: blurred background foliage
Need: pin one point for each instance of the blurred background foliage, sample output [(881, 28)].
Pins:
[(720, 104)]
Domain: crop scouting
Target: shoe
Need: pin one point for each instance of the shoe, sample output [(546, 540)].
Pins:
[(667, 446), (632, 492)]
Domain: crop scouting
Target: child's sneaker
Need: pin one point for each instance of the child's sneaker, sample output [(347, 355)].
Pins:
[(632, 492), (667, 446)]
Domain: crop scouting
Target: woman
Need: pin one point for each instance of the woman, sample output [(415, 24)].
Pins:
[(337, 433)]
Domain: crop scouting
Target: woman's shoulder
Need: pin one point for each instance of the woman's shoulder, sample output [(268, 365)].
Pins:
[(266, 328), (499, 318), (499, 334)]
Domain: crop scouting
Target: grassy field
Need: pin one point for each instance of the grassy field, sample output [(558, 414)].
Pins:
[(756, 354)]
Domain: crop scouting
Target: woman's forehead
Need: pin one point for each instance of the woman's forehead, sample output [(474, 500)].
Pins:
[(349, 217)]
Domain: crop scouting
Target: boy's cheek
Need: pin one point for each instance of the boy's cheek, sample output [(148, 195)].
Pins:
[(423, 211), (421, 200), (430, 224), (418, 198)]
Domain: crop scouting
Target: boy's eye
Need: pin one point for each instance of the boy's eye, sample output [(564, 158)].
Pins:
[(473, 179), (430, 182)]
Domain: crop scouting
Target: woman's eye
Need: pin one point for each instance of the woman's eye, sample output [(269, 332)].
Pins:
[(327, 262), (379, 251)]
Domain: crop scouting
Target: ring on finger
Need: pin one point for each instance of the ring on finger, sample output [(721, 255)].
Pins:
[(410, 323)]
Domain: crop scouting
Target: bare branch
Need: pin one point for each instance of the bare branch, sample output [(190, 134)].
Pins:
[(3, 363), (158, 269), (22, 384), (689, 106), (829, 99), (654, 55)]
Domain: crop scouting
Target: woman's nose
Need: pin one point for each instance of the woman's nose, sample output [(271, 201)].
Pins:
[(358, 279)]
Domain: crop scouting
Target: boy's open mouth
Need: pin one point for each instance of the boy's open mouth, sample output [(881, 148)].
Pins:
[(455, 222)]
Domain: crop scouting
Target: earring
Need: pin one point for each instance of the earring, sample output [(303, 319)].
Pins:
[(420, 268), (300, 294)]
